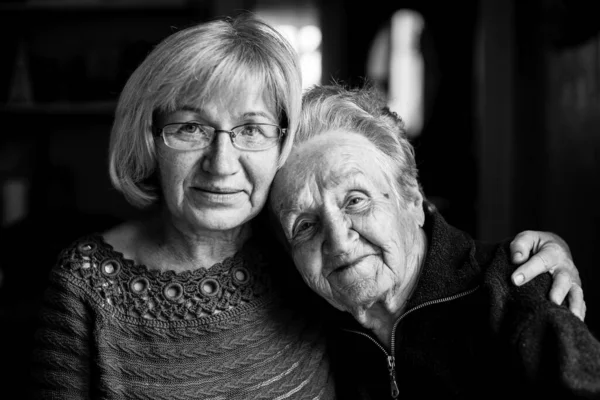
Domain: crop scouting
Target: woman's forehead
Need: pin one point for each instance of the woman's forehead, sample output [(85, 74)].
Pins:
[(243, 96), (327, 161), (343, 143)]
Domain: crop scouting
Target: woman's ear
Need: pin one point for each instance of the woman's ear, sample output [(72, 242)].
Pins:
[(415, 203)]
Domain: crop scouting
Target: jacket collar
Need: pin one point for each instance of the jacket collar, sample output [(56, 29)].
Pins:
[(450, 266)]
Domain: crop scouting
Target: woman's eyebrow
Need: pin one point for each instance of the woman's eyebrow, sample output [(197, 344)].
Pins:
[(263, 114), (345, 175), (190, 109), (248, 114)]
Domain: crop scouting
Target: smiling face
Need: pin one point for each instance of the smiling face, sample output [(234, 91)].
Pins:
[(218, 188), (354, 242)]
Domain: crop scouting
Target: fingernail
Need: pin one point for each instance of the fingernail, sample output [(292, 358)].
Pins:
[(519, 279), (518, 255)]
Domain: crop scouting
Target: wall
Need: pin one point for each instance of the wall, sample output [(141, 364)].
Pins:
[(571, 182)]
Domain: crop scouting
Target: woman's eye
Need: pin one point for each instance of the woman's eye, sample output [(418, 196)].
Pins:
[(194, 132), (251, 130), (188, 128), (355, 201), (302, 227)]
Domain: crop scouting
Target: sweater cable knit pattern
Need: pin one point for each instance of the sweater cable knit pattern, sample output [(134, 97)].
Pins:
[(111, 329)]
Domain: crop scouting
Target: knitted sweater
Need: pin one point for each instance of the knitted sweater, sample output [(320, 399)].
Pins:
[(113, 329), (469, 333)]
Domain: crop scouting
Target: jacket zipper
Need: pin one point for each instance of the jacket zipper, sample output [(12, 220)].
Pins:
[(391, 360)]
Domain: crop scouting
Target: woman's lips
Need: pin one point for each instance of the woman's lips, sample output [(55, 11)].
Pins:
[(347, 264), (218, 190), (217, 196)]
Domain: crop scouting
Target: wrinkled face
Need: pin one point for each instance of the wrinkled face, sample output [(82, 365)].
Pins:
[(353, 242), (220, 187)]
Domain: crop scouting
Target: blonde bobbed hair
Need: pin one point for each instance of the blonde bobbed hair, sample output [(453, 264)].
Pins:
[(209, 61)]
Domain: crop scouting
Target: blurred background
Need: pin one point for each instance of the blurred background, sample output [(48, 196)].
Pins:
[(501, 99)]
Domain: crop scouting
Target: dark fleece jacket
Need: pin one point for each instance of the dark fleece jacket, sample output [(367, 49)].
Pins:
[(468, 333)]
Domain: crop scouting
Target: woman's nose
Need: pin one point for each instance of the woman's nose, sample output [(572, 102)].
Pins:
[(340, 238), (221, 158)]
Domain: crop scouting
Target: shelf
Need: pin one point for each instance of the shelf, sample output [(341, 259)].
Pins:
[(61, 108)]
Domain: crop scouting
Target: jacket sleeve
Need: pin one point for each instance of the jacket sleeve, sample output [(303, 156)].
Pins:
[(552, 348), (62, 352), (554, 344)]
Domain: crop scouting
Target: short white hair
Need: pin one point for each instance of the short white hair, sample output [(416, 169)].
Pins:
[(363, 111)]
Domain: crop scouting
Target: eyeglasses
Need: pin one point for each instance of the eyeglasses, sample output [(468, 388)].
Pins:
[(194, 136)]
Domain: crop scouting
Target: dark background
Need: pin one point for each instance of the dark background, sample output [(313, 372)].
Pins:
[(511, 139)]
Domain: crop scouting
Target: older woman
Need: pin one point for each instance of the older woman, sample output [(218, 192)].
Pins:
[(434, 312), (191, 301)]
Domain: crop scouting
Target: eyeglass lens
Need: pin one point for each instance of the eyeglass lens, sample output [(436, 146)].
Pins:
[(186, 136)]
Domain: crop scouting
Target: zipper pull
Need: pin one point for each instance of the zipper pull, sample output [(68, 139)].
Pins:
[(393, 385)]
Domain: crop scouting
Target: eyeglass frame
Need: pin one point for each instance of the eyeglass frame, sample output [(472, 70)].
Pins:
[(232, 135)]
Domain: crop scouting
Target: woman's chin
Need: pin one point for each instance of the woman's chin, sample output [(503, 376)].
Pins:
[(361, 294), (220, 219)]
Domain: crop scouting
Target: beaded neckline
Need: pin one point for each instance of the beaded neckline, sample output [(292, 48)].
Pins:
[(139, 292)]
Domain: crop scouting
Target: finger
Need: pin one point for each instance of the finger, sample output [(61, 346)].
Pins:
[(561, 286), (576, 302), (521, 247), (536, 265), (575, 279)]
